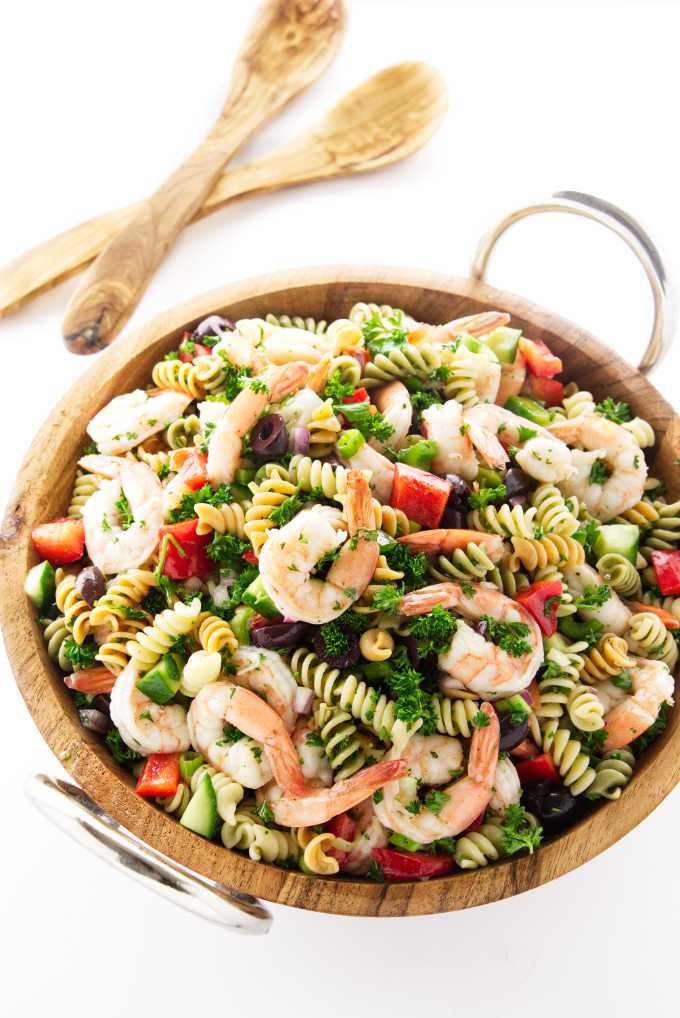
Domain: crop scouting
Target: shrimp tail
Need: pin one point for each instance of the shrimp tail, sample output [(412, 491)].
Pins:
[(487, 445), (289, 378), (434, 542), (484, 747), (321, 805), (422, 601), (359, 503)]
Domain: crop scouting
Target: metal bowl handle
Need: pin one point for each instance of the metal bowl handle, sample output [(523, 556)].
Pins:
[(623, 226), (74, 812)]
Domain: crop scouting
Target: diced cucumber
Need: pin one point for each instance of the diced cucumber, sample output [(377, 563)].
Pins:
[(488, 478), (244, 476), (201, 815), (529, 408), (503, 341), (405, 844), (40, 585), (256, 597), (162, 682), (618, 538), (516, 703), (240, 492), (420, 454), (239, 624), (476, 346), (589, 631), (189, 763)]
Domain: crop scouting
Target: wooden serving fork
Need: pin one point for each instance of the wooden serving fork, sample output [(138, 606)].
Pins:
[(290, 44)]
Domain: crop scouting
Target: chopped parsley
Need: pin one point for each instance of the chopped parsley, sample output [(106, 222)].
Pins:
[(289, 508), (482, 498), (384, 333), (230, 733), (378, 796), (264, 812), (227, 550), (587, 535), (412, 702), (599, 472), (525, 434), (518, 831), (366, 419), (186, 509), (481, 720), (120, 751), (414, 806), (314, 739), (414, 567), (123, 507), (335, 642), (509, 636), (375, 872), (80, 655), (623, 681), (614, 411), (435, 801), (594, 597), (154, 602), (433, 631), (653, 732), (336, 389), (386, 599)]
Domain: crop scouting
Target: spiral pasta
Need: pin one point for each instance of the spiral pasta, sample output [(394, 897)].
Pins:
[(227, 791), (507, 581), (178, 375), (262, 844), (215, 635), (508, 521), (361, 312), (228, 518), (296, 322), (552, 512), (157, 639), (84, 485), (376, 645), (465, 370), (313, 475), (642, 432), (560, 678), (365, 703), (348, 368), (202, 668), (158, 461), (478, 848), (643, 514), (314, 851), (54, 634), (620, 574), (570, 760), (268, 494), (610, 657), (669, 604), (345, 749), (648, 637), (664, 533), (463, 564), (577, 403), (114, 652), (454, 717), (551, 572), (408, 361), (182, 432), (177, 803), (585, 709), (552, 549), (612, 773), (123, 596), (345, 334), (70, 603), (324, 428)]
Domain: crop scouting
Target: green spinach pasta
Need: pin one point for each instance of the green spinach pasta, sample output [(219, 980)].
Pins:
[(366, 596)]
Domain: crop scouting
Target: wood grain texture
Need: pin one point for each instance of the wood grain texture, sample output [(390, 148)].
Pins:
[(383, 120), (290, 44), (42, 491)]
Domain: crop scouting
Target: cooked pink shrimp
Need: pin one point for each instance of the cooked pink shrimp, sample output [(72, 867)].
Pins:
[(145, 726), (542, 455), (471, 325), (290, 555), (466, 798), (381, 470), (240, 350), (265, 673), (322, 804), (513, 377), (443, 424), (471, 662), (224, 450), (394, 403), (370, 834), (652, 686), (443, 542)]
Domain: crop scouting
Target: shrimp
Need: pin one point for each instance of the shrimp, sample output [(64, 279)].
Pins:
[(114, 541), (283, 345), (370, 834), (103, 466), (622, 466), (443, 542), (264, 672), (291, 554), (381, 470), (613, 614), (394, 403), (513, 377), (541, 455), (240, 350), (652, 687), (471, 662), (131, 418), (443, 424), (145, 726), (471, 325), (507, 789), (224, 450), (466, 797), (301, 804), (315, 765), (297, 410)]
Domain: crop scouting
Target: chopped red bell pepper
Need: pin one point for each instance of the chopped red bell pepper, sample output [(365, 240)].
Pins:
[(540, 768), (547, 390), (194, 470), (183, 553), (525, 750), (419, 494), (667, 571), (198, 349), (412, 865), (541, 361), (358, 396), (160, 775), (91, 680), (250, 557), (542, 600), (60, 541), (342, 826)]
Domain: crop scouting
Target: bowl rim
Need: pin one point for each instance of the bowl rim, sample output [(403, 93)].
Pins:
[(92, 767)]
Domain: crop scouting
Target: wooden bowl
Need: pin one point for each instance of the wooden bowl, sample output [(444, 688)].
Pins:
[(42, 492)]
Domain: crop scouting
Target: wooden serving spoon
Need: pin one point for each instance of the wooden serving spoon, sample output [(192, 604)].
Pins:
[(290, 43), (385, 119)]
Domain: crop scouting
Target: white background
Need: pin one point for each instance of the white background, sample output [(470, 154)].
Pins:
[(98, 103)]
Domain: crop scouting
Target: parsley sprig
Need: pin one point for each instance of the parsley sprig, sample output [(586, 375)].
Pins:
[(509, 636)]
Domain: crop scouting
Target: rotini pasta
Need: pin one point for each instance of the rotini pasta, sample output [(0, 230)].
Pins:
[(345, 749), (620, 574), (585, 709), (552, 512), (70, 603), (376, 645), (84, 485), (324, 428), (268, 494), (609, 658), (508, 521), (229, 518), (54, 634), (182, 432), (215, 635), (552, 549), (123, 597), (473, 562), (612, 773), (261, 843), (648, 637), (168, 626)]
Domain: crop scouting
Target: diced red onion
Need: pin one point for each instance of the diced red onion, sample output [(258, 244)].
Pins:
[(303, 700), (301, 441), (518, 500), (526, 695), (95, 720), (215, 325)]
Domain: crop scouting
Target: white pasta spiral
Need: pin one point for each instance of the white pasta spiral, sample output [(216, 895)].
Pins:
[(168, 626)]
